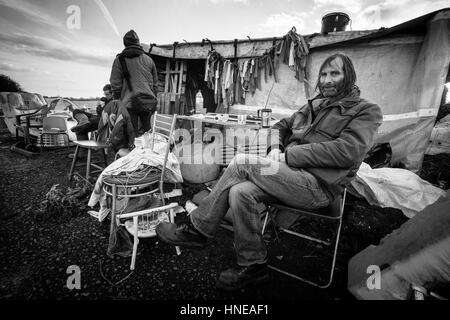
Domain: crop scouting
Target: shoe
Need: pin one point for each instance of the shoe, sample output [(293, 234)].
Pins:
[(81, 127), (183, 234), (241, 276)]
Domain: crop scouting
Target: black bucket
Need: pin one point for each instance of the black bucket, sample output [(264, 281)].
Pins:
[(335, 21)]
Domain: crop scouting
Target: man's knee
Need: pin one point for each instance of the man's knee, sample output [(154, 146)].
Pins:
[(243, 159), (241, 192)]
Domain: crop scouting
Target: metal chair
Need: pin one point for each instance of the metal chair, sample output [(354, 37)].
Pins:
[(90, 145), (333, 213), (163, 125), (144, 223)]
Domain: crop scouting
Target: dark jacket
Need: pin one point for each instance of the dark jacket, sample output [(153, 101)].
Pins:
[(115, 126), (332, 146), (143, 75)]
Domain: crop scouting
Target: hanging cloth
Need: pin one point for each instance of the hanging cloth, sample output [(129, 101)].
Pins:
[(206, 69), (291, 56)]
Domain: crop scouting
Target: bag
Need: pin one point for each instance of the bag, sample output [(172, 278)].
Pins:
[(139, 102), (143, 102)]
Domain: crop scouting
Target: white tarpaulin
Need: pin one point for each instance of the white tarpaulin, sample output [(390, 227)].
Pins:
[(395, 188)]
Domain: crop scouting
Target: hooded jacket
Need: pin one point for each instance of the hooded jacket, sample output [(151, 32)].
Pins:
[(329, 138), (115, 125), (142, 70)]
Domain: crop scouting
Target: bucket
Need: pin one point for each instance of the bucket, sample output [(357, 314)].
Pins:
[(335, 21)]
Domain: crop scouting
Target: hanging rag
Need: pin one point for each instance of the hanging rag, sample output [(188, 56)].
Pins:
[(291, 56), (207, 68)]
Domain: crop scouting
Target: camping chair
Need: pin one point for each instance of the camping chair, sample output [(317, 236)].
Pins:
[(90, 145), (334, 212), (54, 132), (152, 183)]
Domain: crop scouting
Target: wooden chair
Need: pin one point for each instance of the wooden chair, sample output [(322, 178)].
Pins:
[(163, 125), (333, 213)]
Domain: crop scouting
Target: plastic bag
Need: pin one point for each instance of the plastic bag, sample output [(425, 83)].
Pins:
[(395, 188)]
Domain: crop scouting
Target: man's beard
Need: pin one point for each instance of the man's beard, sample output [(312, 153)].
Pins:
[(329, 91)]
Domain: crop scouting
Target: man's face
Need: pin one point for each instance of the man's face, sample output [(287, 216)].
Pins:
[(332, 78), (108, 94)]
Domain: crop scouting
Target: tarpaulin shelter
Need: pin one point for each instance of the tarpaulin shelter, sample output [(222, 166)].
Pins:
[(403, 69)]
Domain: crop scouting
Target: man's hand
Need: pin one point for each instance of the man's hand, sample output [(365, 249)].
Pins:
[(276, 155)]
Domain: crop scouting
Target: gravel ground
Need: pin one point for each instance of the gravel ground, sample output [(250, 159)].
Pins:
[(37, 247)]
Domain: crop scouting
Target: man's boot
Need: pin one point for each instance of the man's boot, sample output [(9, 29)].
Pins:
[(241, 276), (181, 234)]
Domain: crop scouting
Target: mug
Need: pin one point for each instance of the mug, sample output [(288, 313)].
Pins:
[(265, 115)]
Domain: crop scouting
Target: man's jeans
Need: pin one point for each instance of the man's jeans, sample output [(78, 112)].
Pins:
[(144, 117), (248, 180)]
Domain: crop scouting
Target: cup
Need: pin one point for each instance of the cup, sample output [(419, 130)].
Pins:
[(265, 115)]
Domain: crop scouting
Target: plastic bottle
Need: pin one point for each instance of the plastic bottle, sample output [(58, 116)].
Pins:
[(199, 102)]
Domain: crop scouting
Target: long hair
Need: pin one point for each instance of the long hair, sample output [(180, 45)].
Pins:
[(347, 68)]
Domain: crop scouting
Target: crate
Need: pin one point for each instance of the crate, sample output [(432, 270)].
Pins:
[(53, 140)]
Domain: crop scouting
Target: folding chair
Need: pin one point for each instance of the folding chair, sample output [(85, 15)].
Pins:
[(163, 125), (333, 213)]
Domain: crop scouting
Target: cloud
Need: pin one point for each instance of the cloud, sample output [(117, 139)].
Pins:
[(7, 66), (353, 6), (44, 47), (389, 12), (32, 12), (246, 2), (283, 22)]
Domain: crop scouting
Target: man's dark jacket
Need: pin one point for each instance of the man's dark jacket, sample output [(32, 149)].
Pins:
[(333, 145)]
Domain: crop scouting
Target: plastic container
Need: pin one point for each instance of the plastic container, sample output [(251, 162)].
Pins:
[(334, 22), (199, 102)]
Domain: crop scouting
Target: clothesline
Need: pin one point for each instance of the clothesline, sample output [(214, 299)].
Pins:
[(232, 79)]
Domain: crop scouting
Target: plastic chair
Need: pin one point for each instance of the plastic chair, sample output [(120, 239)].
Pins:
[(90, 145), (115, 187), (54, 132), (333, 213)]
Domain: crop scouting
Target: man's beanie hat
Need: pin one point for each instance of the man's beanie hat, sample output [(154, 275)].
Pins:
[(107, 87), (130, 38)]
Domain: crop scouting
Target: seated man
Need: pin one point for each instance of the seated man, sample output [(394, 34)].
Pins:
[(115, 126), (319, 151), (88, 122)]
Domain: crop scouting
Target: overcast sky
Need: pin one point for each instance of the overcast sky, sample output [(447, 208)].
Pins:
[(41, 49)]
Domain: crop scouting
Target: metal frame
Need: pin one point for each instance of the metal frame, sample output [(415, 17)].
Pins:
[(338, 218), (89, 145)]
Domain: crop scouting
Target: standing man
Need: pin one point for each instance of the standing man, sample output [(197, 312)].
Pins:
[(319, 151), (134, 80)]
